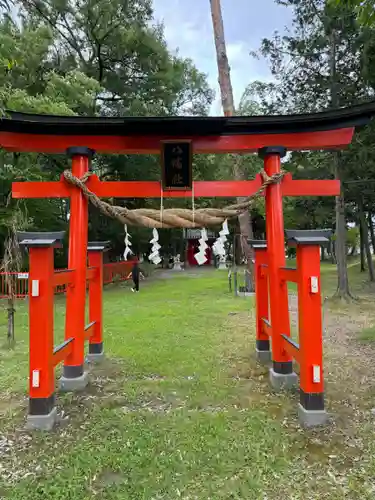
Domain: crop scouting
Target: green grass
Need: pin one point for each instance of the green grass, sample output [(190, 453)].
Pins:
[(367, 334), (179, 409)]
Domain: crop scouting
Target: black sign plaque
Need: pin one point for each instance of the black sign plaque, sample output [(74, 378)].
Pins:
[(176, 160)]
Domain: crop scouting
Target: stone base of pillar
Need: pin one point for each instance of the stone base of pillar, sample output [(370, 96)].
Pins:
[(70, 383), (42, 422), (311, 418), (263, 357), (280, 381), (74, 384), (95, 358)]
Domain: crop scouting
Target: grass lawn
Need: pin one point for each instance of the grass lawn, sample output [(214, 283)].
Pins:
[(180, 408)]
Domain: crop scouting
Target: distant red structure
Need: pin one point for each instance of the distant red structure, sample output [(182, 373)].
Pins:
[(191, 237)]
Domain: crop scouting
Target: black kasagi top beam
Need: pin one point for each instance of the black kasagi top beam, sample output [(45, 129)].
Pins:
[(185, 126), (177, 165)]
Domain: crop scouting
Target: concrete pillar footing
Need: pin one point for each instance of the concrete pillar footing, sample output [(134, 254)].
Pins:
[(280, 381), (263, 357), (42, 422), (74, 384), (311, 418), (94, 357)]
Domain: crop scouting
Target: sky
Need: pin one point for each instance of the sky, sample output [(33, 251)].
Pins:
[(188, 28)]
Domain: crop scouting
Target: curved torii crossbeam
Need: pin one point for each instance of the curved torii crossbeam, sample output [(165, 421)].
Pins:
[(25, 132), (270, 136)]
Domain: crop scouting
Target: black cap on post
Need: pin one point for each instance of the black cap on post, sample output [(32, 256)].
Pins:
[(98, 246), (80, 151), (40, 239), (319, 237), (272, 150), (258, 244)]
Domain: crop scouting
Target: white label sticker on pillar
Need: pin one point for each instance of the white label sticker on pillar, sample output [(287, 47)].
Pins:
[(314, 284), (35, 378), (35, 288), (316, 374)]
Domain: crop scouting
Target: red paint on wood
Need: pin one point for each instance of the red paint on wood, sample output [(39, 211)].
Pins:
[(76, 296), (41, 323), (63, 278), (289, 275), (34, 143), (292, 187), (62, 353), (261, 293), (91, 273), (152, 189), (96, 297), (291, 349), (310, 318), (278, 291), (267, 329), (89, 331)]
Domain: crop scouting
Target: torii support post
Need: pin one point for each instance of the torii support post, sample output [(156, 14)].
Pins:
[(281, 373), (95, 252), (42, 411), (310, 325), (262, 347), (74, 377)]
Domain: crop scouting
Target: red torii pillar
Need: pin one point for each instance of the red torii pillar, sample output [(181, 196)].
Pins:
[(281, 373), (95, 253), (74, 378)]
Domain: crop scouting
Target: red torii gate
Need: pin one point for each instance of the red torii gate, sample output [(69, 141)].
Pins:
[(79, 137)]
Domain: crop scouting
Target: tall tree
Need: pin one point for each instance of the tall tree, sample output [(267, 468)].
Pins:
[(227, 101), (365, 9), (319, 64), (119, 45), (103, 57), (340, 248)]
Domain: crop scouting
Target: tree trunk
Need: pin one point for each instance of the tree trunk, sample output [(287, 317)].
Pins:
[(342, 291), (371, 226), (361, 248), (366, 242), (227, 101), (10, 313), (239, 255), (332, 248)]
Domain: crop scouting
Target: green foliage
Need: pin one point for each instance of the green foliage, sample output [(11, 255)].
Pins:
[(117, 44), (322, 33), (352, 236), (29, 82), (301, 60), (106, 57), (365, 9)]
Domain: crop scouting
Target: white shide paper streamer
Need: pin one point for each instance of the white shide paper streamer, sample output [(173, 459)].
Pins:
[(128, 251), (200, 256), (154, 256), (219, 246)]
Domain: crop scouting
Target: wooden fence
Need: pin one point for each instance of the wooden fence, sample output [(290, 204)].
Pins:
[(112, 273)]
